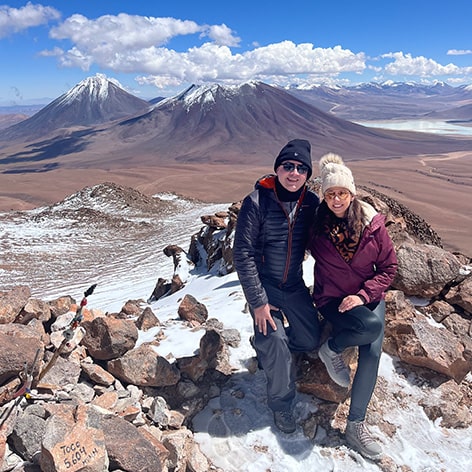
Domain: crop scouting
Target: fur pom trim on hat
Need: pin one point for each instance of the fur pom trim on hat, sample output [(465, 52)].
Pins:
[(334, 173)]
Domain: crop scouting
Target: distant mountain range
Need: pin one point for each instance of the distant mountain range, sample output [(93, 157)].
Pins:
[(369, 102), (97, 124)]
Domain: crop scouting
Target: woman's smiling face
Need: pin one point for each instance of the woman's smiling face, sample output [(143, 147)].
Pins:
[(338, 200)]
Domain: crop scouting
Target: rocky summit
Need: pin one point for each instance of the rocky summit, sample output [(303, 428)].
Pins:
[(79, 393)]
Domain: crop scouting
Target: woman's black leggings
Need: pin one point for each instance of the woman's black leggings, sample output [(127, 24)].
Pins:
[(363, 326)]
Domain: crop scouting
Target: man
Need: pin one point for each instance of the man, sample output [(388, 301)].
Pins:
[(269, 248)]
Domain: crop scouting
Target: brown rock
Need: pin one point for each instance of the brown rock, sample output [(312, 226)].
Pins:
[(179, 444), (64, 371), (461, 295), (61, 305), (97, 374), (147, 320), (448, 403), (214, 351), (438, 310), (19, 344), (316, 381), (414, 338), (161, 288), (131, 450), (462, 329), (108, 337), (214, 221), (424, 270), (108, 400), (12, 302), (190, 309), (132, 309), (193, 367), (176, 252), (143, 366), (34, 309)]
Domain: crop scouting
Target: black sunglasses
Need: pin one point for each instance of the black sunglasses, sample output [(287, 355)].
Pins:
[(290, 167)]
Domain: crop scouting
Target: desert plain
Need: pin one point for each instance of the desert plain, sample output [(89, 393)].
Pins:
[(436, 187)]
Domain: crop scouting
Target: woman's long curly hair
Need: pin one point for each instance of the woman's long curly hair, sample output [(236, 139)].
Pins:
[(325, 218)]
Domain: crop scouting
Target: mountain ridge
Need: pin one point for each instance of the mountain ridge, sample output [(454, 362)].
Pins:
[(245, 124)]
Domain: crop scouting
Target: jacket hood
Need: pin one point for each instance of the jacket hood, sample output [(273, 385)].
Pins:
[(369, 212), (267, 181), (372, 218)]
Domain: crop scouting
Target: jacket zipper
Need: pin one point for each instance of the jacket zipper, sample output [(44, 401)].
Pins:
[(291, 225)]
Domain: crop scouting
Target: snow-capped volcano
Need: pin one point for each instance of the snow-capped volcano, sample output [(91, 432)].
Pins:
[(244, 125), (92, 101)]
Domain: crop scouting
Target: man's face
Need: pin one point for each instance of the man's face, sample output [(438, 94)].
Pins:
[(292, 175)]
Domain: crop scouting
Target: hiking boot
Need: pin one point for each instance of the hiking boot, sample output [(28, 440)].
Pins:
[(360, 439), (334, 362), (285, 421)]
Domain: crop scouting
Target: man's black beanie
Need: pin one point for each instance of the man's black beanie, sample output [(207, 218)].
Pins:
[(295, 150)]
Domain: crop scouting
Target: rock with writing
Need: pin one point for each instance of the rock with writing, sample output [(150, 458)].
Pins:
[(74, 441)]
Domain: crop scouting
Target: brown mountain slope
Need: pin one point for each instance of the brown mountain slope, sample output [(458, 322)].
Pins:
[(212, 143), (243, 125)]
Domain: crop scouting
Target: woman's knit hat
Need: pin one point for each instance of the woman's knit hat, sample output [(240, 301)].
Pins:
[(335, 174), (296, 150)]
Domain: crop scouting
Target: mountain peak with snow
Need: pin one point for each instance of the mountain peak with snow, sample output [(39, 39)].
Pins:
[(92, 101), (208, 94), (96, 87)]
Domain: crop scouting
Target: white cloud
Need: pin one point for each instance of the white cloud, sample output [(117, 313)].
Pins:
[(222, 35), (55, 52), (145, 46), (136, 44), (459, 52), (14, 20), (75, 58), (133, 44), (122, 32), (405, 64)]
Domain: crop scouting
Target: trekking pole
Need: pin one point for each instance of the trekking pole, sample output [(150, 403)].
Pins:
[(68, 333)]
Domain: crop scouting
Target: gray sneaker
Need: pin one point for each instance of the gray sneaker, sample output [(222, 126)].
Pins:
[(284, 421), (334, 362), (360, 439)]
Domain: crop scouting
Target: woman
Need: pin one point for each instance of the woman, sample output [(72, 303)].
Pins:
[(355, 264)]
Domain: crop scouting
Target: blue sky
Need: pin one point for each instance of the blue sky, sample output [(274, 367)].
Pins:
[(155, 48)]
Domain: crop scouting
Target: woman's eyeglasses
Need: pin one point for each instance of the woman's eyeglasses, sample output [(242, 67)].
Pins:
[(290, 167), (342, 195)]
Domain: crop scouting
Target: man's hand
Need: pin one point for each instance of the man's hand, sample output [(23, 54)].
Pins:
[(262, 316)]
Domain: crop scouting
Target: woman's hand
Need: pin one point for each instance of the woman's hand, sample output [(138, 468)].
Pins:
[(350, 302)]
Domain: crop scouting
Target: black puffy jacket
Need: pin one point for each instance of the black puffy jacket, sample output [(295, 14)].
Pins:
[(268, 248)]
